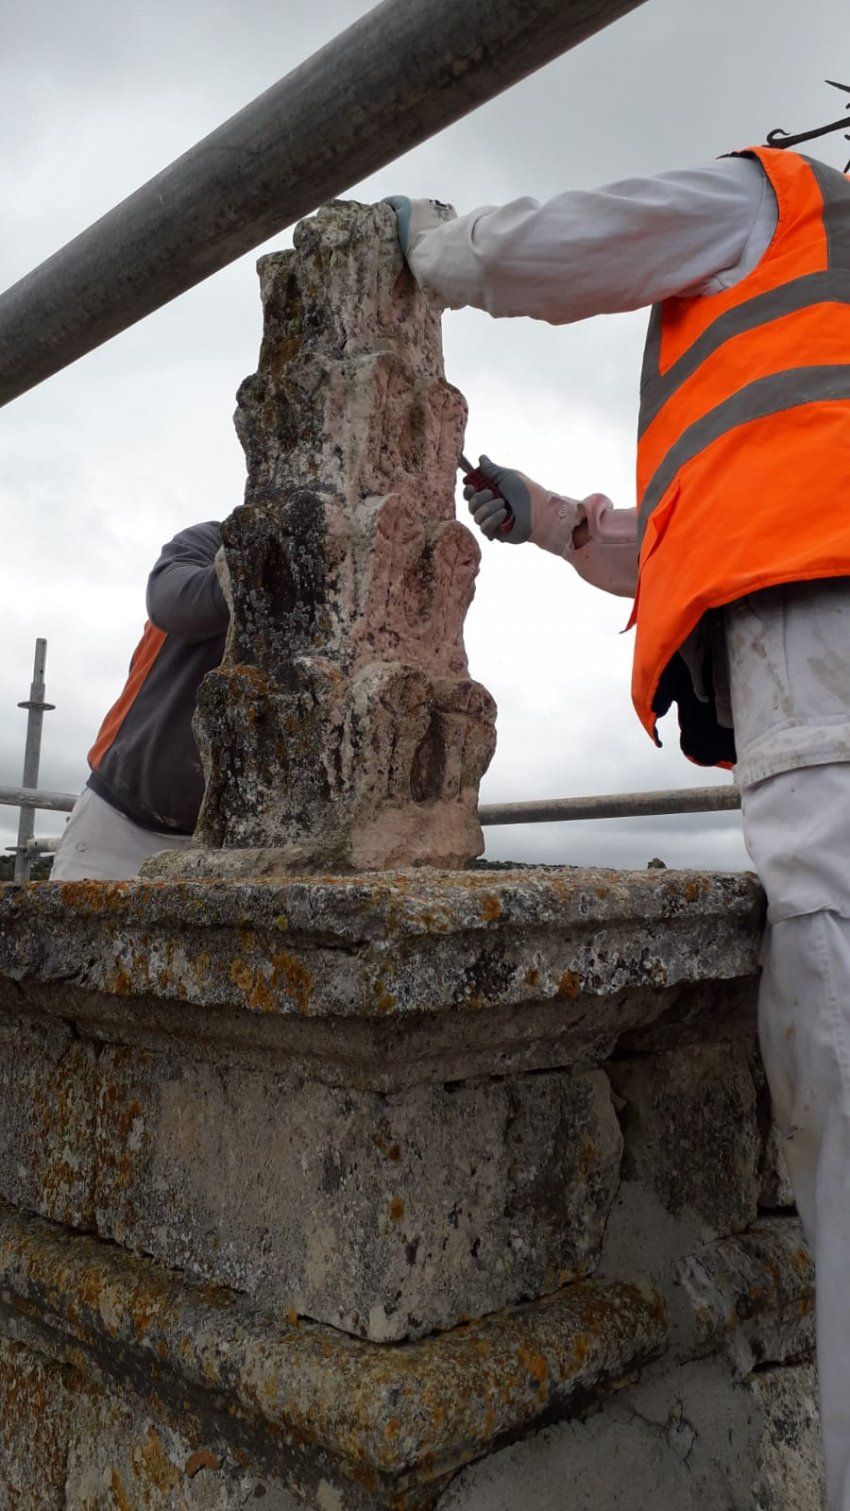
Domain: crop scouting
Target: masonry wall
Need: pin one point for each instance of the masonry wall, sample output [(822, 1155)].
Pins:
[(425, 1189)]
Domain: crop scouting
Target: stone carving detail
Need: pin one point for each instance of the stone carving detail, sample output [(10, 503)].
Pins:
[(342, 729)]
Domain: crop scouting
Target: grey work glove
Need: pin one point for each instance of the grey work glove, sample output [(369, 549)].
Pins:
[(543, 517), (415, 218), (489, 510)]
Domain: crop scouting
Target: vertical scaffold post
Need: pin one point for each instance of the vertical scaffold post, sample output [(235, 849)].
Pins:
[(36, 708)]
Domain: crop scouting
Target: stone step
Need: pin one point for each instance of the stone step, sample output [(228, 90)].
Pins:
[(377, 1426)]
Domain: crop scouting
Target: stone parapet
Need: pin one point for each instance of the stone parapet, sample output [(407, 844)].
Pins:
[(383, 981), (342, 1184), (407, 1064)]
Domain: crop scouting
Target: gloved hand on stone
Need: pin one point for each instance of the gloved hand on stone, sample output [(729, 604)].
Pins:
[(415, 218), (543, 517), (222, 572)]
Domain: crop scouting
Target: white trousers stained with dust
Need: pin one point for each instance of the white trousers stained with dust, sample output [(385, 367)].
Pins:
[(789, 665), (100, 844)]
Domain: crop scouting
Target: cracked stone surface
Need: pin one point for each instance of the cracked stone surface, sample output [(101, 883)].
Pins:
[(342, 730), (697, 1441)]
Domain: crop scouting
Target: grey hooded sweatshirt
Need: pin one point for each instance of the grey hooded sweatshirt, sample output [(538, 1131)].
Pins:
[(145, 761)]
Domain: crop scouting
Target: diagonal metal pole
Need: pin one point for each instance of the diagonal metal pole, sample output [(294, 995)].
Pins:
[(35, 707), (394, 78)]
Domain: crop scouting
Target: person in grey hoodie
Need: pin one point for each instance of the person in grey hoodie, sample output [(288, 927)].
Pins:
[(146, 783)]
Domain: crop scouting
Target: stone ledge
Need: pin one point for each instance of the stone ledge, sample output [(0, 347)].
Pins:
[(408, 976), (753, 1295), (387, 1417)]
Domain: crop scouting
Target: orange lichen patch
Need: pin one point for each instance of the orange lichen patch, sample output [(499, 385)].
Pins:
[(36, 1397), (60, 1135), (202, 1459), (581, 1349), (152, 1464), (144, 1311), (491, 908), (261, 984), (242, 975), (383, 1140), (396, 1209), (95, 896), (250, 676), (119, 1494), (535, 1364), (569, 984), (293, 975)]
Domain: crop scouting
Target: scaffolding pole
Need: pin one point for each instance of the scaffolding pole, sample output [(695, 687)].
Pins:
[(401, 73), (36, 708), (613, 805)]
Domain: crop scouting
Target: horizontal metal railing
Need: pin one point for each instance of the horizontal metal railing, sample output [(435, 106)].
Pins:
[(562, 810), (542, 811), (36, 797)]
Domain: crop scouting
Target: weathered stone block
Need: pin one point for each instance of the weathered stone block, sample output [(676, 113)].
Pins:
[(691, 1132), (753, 1295), (37, 1399), (387, 980), (342, 730), (384, 1215), (790, 1464), (47, 1121)]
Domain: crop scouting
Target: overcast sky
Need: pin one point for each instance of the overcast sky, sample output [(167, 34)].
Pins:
[(104, 462)]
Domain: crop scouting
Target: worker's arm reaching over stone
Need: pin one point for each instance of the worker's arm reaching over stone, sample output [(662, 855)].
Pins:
[(595, 252), (184, 595), (583, 253)]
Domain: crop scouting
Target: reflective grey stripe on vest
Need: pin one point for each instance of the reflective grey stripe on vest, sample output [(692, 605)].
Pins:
[(835, 191), (785, 390), (811, 289)]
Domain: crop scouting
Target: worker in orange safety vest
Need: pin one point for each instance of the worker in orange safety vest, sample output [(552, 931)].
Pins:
[(738, 558)]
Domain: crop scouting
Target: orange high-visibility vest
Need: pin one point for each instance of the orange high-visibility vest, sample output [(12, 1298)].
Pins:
[(744, 439)]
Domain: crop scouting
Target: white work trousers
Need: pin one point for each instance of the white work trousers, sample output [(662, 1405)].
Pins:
[(100, 844), (789, 664)]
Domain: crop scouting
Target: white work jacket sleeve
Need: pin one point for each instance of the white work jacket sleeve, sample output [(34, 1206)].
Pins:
[(593, 252), (597, 252), (609, 560)]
